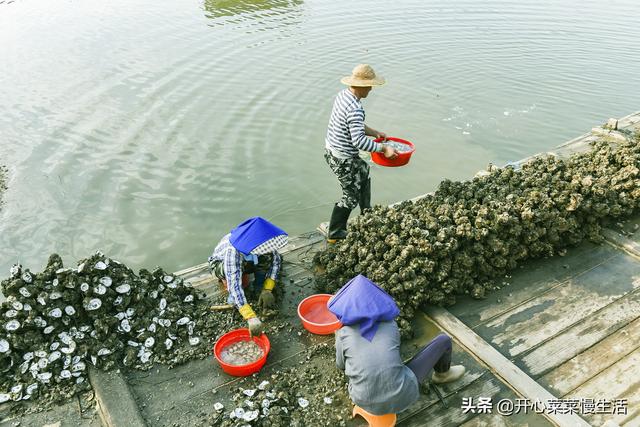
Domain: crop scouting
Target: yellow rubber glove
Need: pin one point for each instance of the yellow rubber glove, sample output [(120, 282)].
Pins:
[(247, 312), (269, 284)]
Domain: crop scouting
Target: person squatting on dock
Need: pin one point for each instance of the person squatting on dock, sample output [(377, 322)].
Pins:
[(368, 350), (251, 247), (346, 134)]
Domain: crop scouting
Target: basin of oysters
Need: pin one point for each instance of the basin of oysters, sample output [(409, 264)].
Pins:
[(241, 353), (56, 324)]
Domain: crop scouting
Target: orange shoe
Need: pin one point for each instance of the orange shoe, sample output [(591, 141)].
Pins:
[(387, 420)]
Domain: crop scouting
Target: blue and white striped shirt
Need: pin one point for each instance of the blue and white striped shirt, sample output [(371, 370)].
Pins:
[(345, 134), (232, 260)]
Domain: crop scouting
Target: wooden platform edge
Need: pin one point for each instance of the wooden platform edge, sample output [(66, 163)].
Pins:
[(291, 246), (116, 404), (499, 365), (621, 242)]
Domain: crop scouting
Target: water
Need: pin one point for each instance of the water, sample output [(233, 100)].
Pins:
[(319, 314), (148, 130)]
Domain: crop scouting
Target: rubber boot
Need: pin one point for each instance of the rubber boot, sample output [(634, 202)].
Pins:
[(338, 224), (365, 195), (454, 373)]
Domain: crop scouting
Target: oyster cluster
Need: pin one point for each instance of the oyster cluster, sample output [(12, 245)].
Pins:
[(57, 323), (312, 390), (464, 236), (241, 353)]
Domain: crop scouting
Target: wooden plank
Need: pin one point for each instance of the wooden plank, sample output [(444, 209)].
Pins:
[(538, 320), (68, 413), (115, 401), (630, 246), (436, 415), (498, 364), (486, 386), (620, 381), (592, 361), (515, 420), (629, 121), (294, 243), (474, 371), (581, 336), (533, 279), (205, 282), (633, 420)]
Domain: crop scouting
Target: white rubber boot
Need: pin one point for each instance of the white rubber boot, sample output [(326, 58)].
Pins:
[(454, 373)]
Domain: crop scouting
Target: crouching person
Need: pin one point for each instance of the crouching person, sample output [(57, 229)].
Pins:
[(251, 247), (368, 350)]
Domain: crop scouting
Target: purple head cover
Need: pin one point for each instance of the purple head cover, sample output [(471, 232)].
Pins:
[(363, 302)]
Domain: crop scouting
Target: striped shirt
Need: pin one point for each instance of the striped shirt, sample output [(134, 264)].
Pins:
[(232, 260), (345, 134)]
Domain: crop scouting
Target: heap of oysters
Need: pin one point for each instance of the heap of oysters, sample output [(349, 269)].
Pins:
[(56, 324), (465, 235)]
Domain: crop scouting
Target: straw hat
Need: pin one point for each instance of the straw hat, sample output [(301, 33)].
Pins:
[(363, 76)]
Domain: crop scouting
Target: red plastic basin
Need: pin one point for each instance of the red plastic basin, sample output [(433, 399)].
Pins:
[(315, 315), (402, 158), (241, 335)]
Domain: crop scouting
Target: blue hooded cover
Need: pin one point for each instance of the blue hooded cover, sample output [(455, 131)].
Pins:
[(362, 301), (257, 232)]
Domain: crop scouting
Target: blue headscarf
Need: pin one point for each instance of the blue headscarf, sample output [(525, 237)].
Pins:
[(363, 302), (257, 236)]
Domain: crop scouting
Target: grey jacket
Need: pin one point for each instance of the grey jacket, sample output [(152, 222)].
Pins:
[(378, 380)]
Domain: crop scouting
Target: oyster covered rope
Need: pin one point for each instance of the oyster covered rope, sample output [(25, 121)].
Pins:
[(58, 323), (464, 236)]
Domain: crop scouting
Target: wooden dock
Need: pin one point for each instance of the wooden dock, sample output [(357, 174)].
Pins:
[(562, 329)]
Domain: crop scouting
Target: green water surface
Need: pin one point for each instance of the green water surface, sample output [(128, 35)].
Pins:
[(149, 129)]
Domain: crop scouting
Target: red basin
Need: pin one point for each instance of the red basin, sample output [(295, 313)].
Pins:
[(402, 158), (241, 335), (316, 317)]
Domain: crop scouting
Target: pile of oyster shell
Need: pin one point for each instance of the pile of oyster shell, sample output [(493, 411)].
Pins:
[(57, 323), (464, 236), (312, 392)]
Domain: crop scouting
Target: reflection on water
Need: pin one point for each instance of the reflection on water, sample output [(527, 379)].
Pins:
[(152, 144), (218, 8)]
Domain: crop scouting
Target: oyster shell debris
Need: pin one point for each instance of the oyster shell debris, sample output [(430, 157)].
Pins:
[(90, 315)]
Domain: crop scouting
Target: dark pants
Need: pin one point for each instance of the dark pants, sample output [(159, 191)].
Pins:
[(353, 176), (436, 355)]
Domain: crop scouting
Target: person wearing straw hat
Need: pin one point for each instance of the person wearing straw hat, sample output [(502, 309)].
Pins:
[(368, 351), (251, 247), (347, 134)]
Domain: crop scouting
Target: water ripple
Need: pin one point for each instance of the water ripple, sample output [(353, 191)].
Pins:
[(149, 132)]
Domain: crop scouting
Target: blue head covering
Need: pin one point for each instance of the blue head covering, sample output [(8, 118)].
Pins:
[(362, 301), (257, 236)]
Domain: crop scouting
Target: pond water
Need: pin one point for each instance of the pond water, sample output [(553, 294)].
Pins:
[(149, 129)]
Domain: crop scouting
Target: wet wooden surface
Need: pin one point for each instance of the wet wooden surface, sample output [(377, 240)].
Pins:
[(572, 325), (70, 413), (186, 394)]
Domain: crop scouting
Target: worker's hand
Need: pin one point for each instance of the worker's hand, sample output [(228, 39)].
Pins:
[(266, 300), (381, 135), (389, 152), (255, 326)]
